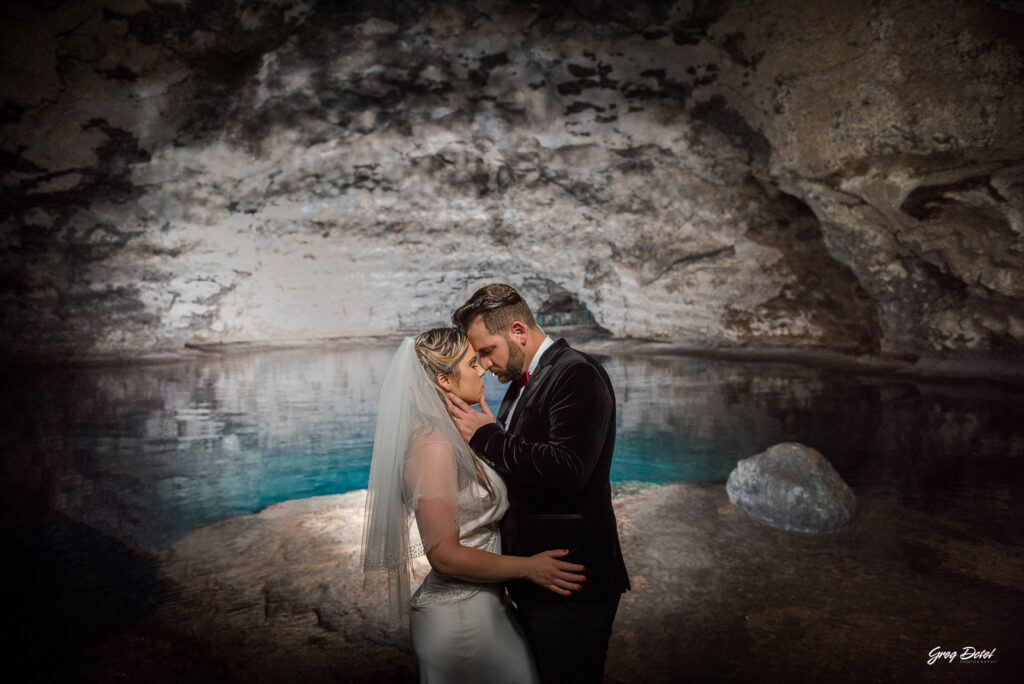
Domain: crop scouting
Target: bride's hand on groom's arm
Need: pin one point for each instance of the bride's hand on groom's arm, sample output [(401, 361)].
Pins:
[(466, 419), (561, 577)]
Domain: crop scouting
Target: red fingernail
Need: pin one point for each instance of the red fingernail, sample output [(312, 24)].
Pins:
[(565, 550), (578, 586)]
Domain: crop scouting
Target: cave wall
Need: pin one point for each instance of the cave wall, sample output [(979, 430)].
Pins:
[(836, 174)]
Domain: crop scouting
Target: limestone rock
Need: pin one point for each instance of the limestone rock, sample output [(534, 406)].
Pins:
[(286, 578), (844, 175), (277, 597), (792, 487)]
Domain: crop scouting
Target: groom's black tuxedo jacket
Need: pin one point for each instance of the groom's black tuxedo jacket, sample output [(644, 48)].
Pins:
[(555, 458)]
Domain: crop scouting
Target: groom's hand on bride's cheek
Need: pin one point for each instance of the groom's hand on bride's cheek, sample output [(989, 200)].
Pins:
[(466, 419)]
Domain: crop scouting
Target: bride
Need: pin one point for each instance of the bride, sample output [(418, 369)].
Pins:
[(462, 630)]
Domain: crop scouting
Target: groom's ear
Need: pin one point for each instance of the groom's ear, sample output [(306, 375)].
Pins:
[(517, 331)]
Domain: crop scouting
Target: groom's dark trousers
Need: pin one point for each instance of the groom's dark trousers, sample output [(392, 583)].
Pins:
[(555, 457)]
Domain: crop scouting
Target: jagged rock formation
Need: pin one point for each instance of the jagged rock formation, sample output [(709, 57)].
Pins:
[(845, 175)]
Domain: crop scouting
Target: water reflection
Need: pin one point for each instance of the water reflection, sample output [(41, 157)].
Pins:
[(148, 453)]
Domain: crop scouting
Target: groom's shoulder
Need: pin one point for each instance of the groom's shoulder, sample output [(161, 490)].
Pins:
[(563, 353), (569, 359), (575, 355)]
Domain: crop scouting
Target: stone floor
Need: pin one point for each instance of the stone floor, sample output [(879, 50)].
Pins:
[(717, 597)]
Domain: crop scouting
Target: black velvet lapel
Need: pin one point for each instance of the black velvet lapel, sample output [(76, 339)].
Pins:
[(506, 404), (542, 366), (536, 381)]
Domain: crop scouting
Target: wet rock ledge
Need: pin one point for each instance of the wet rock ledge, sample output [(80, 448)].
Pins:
[(277, 597)]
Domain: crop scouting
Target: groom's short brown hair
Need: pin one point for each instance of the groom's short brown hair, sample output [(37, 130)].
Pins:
[(499, 304)]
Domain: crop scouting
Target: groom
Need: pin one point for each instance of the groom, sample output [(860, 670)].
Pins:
[(552, 442)]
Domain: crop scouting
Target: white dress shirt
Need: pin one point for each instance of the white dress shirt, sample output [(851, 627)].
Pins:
[(533, 366)]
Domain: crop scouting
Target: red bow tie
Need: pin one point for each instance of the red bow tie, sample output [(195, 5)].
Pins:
[(523, 379)]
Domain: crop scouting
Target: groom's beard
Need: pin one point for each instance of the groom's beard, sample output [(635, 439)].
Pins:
[(514, 367)]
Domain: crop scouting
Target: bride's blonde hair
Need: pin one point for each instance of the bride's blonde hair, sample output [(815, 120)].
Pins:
[(439, 351)]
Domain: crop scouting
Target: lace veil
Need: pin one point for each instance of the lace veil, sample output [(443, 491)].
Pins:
[(418, 455)]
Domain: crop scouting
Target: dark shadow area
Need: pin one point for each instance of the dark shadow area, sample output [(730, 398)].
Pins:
[(68, 585)]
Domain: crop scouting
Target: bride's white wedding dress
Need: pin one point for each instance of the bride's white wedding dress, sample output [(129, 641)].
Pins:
[(463, 631)]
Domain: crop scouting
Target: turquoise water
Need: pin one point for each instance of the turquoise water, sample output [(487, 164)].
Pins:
[(148, 453)]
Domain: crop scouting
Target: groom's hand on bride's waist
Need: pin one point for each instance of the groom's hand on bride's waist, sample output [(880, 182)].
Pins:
[(466, 419)]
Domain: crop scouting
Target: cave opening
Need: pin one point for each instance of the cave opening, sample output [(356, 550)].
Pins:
[(563, 312), (824, 289)]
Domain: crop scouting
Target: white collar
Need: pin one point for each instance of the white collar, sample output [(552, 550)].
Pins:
[(540, 352)]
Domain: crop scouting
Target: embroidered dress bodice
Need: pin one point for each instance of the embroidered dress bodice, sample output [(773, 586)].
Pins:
[(479, 532)]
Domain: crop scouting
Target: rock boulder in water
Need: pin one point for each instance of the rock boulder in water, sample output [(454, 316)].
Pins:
[(792, 487)]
